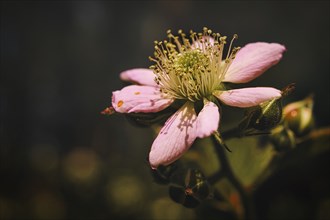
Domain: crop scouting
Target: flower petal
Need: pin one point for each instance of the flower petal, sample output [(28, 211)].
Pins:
[(139, 76), (207, 120), (247, 97), (252, 60), (139, 99), (175, 138)]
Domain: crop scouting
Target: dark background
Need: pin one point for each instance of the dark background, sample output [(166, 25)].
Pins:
[(60, 158)]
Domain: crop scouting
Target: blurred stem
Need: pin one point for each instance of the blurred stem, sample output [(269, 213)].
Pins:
[(313, 135), (226, 171)]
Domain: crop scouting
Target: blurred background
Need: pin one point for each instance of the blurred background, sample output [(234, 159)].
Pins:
[(60, 61)]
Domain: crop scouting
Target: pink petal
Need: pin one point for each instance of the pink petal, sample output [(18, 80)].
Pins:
[(247, 97), (139, 99), (175, 138), (208, 120), (139, 76), (252, 60)]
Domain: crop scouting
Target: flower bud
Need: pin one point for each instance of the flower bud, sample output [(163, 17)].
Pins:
[(262, 117), (270, 115), (189, 187), (298, 116)]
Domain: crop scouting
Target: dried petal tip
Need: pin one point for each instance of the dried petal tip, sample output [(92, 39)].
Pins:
[(108, 111)]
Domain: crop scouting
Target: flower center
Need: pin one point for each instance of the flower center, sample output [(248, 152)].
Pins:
[(191, 69), (190, 62)]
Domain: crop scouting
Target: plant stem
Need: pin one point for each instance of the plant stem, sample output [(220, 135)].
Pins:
[(226, 169)]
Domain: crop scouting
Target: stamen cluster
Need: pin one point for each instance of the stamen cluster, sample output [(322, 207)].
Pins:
[(191, 68)]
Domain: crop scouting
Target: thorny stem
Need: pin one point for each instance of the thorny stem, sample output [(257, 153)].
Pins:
[(227, 172)]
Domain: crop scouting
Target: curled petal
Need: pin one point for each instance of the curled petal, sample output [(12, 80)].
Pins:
[(175, 138), (208, 120), (139, 99), (139, 76), (253, 60), (247, 97)]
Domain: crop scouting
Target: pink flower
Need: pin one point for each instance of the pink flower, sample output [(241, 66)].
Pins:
[(194, 70)]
